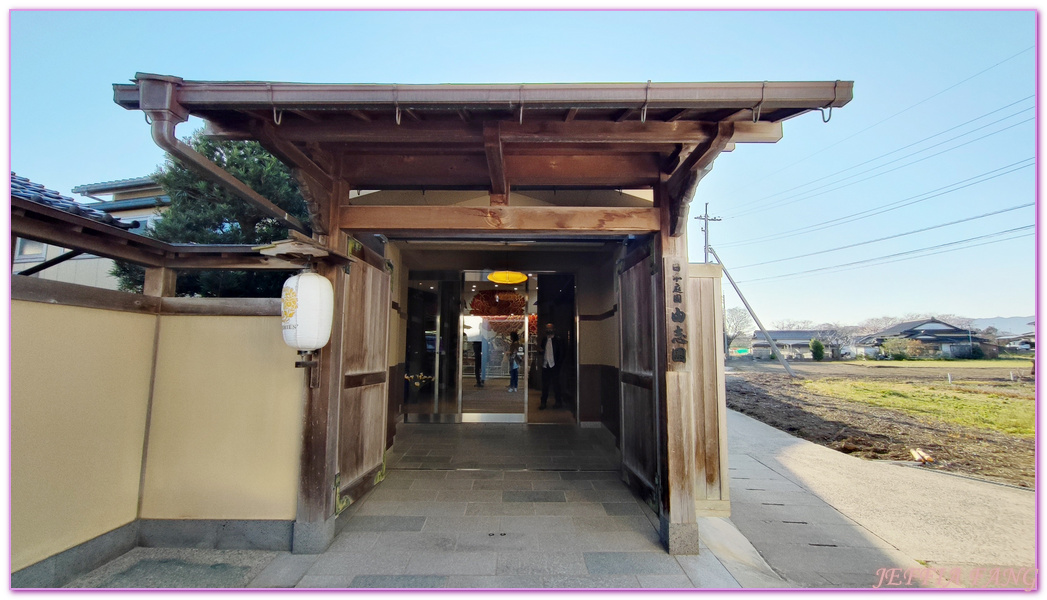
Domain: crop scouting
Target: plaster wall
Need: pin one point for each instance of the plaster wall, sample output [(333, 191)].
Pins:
[(79, 392), (227, 417)]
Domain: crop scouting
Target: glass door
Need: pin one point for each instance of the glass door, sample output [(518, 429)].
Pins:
[(430, 366), (493, 356)]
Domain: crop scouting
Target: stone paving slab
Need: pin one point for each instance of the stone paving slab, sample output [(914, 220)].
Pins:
[(498, 542), (664, 581), (383, 523), (432, 509), (285, 571), (383, 562), (415, 542), (460, 524), (500, 509), (353, 541), (399, 581), (533, 496), (591, 582), (631, 563), (452, 563), (541, 563)]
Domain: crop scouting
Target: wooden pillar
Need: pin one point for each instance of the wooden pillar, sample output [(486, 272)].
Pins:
[(314, 526), (679, 526), (704, 294), (694, 408), (159, 281)]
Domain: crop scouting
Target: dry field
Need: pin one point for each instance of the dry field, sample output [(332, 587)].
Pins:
[(981, 424)]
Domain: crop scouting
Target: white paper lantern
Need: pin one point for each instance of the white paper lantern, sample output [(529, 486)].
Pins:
[(306, 309)]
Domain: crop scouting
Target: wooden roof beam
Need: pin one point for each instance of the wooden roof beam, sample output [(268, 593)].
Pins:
[(681, 185), (552, 220), (495, 161), (286, 151)]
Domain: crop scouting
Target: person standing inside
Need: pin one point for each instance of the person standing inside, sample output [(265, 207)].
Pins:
[(514, 360), (550, 347)]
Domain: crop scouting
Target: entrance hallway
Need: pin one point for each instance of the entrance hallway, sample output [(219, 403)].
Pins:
[(471, 505), (507, 446)]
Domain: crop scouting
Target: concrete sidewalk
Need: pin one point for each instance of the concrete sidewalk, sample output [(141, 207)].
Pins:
[(822, 518)]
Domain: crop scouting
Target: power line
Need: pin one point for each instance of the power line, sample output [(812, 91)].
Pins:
[(743, 204), (778, 203), (908, 164), (890, 237), (887, 262), (906, 253), (922, 197), (908, 108)]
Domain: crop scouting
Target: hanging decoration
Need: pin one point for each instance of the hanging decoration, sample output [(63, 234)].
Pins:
[(507, 277), (306, 311), (503, 310)]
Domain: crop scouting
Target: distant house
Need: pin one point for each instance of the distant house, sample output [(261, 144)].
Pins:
[(794, 344), (935, 338), (134, 205), (1025, 342)]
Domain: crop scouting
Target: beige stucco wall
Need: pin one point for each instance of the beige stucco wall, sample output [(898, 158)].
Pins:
[(79, 390), (226, 433)]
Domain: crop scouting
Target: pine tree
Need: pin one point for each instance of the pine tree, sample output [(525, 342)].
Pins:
[(203, 213)]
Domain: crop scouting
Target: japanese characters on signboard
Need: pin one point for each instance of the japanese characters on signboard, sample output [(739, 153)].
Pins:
[(678, 337)]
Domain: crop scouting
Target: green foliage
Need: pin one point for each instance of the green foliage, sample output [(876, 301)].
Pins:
[(203, 213), (896, 348), (817, 349), (1000, 406)]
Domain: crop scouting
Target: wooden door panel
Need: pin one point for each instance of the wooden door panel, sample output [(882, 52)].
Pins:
[(362, 415), (639, 386), (361, 446)]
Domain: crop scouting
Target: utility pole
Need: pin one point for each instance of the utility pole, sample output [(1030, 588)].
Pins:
[(705, 228), (774, 347)]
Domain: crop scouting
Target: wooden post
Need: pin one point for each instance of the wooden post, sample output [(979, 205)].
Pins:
[(314, 526), (679, 526), (160, 282), (712, 497)]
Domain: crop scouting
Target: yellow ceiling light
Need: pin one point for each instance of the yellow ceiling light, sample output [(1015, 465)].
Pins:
[(507, 277)]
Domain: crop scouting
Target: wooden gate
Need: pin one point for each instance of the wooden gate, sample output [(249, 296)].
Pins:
[(362, 414), (637, 284)]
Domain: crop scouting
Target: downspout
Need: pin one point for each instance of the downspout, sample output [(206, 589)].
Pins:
[(158, 100), (163, 129)]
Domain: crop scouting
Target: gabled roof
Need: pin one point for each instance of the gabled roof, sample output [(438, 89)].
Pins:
[(910, 325), (118, 185), (34, 192)]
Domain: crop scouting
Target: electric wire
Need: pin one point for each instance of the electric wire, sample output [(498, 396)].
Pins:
[(865, 162), (904, 110), (898, 254), (887, 262), (904, 202), (889, 237), (801, 197)]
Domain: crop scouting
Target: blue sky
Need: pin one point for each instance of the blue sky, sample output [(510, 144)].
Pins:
[(955, 85)]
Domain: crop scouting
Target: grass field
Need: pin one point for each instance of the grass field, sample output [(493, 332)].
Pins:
[(999, 363), (1000, 406)]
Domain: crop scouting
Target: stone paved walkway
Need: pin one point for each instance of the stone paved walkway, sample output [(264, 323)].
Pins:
[(474, 506)]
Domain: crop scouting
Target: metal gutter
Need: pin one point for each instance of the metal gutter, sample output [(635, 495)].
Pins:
[(132, 203), (158, 97), (114, 186), (202, 95)]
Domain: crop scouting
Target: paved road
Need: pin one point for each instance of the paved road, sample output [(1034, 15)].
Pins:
[(823, 518)]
